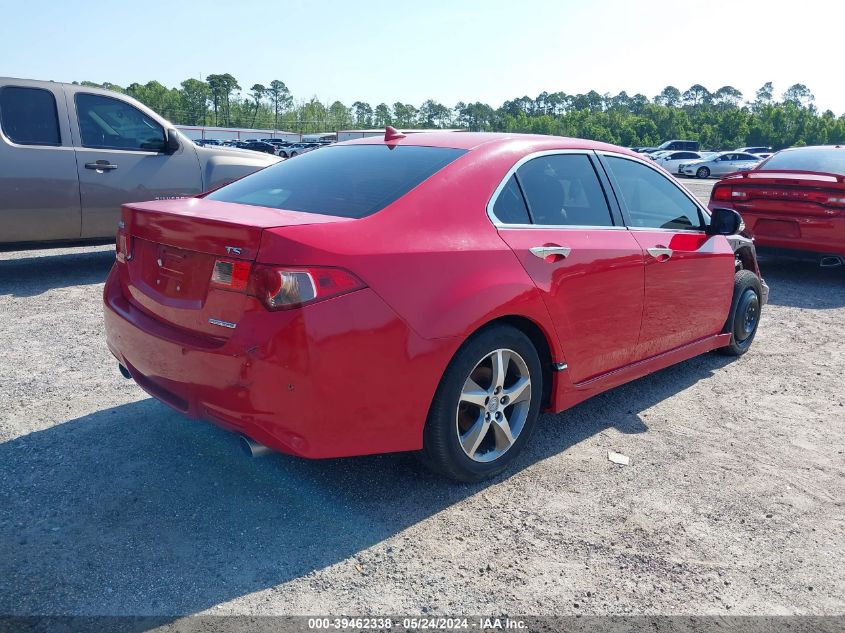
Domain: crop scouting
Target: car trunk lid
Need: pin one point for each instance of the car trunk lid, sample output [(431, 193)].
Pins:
[(786, 192), (190, 259)]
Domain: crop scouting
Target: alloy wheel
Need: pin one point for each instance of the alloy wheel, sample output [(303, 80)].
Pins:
[(493, 405)]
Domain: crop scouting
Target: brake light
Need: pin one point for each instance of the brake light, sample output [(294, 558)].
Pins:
[(282, 288), (722, 192), (230, 274), (123, 245)]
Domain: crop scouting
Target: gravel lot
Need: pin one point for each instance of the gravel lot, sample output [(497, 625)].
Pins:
[(111, 503)]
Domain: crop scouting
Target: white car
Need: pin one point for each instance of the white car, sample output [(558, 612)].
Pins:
[(672, 161), (718, 165)]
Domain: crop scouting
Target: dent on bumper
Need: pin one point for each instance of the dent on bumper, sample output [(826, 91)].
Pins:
[(338, 378)]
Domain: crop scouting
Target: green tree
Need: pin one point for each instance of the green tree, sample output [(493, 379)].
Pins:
[(194, 101), (222, 87), (798, 94), (363, 114), (257, 92), (382, 116), (727, 96), (404, 114), (280, 98), (696, 95), (669, 96), (433, 114)]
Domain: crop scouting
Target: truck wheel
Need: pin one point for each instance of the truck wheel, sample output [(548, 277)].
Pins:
[(485, 407), (744, 316)]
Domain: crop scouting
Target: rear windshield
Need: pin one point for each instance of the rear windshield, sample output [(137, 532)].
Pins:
[(351, 181), (829, 160)]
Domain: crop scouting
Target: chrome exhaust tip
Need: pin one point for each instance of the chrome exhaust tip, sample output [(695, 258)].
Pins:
[(832, 261), (124, 372), (253, 448)]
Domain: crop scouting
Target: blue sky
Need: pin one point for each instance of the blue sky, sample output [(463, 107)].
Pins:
[(475, 50)]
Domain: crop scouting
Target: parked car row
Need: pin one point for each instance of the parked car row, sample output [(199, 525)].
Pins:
[(683, 158), (279, 147)]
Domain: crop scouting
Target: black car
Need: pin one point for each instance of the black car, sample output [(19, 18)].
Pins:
[(278, 142), (258, 146)]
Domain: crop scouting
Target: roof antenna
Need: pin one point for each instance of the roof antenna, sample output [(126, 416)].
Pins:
[(392, 134)]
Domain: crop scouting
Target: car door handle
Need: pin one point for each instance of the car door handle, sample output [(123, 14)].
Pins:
[(545, 251), (660, 253), (101, 165)]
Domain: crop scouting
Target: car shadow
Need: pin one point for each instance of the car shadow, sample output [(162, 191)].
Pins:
[(135, 510), (799, 282), (30, 276)]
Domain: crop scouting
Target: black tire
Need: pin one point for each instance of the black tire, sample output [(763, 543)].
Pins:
[(283, 154), (442, 450), (744, 317), (702, 172)]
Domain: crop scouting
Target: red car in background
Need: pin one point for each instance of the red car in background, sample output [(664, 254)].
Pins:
[(428, 293), (793, 200)]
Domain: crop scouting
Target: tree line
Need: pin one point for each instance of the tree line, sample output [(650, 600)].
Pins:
[(720, 119)]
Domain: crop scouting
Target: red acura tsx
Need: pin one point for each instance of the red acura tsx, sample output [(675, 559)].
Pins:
[(429, 292)]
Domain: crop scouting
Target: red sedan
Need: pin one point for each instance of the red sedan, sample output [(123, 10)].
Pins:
[(428, 293), (793, 200)]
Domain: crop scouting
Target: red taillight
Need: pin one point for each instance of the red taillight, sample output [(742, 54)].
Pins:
[(726, 193), (230, 274), (123, 246), (721, 192), (282, 288)]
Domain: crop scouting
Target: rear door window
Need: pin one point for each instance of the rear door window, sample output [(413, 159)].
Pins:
[(652, 199), (106, 123), (351, 181), (564, 190), (510, 205), (28, 116)]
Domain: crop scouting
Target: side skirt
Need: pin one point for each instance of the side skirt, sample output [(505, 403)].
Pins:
[(568, 394)]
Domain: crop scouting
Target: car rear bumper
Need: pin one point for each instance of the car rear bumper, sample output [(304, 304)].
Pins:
[(338, 378), (795, 231)]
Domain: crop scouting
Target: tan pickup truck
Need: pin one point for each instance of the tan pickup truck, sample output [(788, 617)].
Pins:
[(71, 155)]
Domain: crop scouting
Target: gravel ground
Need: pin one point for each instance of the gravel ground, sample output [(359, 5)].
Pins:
[(111, 503)]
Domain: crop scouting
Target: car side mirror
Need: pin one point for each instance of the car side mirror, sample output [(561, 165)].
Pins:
[(725, 222), (171, 142)]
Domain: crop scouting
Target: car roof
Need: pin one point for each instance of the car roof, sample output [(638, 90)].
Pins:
[(815, 147), (472, 140)]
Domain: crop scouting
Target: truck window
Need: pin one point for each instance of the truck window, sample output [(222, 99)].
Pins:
[(106, 123), (28, 116)]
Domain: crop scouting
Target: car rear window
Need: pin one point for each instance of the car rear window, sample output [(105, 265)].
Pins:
[(829, 160), (351, 181), (28, 116)]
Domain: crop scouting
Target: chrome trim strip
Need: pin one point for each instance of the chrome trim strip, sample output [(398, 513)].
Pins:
[(571, 227), (227, 324), (646, 228)]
